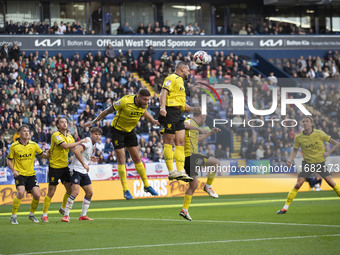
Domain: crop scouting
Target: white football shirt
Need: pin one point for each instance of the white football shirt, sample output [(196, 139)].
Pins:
[(85, 154)]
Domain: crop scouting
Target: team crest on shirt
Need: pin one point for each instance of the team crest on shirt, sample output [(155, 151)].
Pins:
[(169, 126), (17, 182), (167, 83), (116, 142), (58, 137), (75, 180), (52, 179), (117, 103)]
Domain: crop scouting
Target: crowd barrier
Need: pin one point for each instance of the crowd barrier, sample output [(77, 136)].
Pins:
[(106, 184)]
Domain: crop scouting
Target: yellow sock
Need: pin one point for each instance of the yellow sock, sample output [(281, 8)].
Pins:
[(16, 205), (63, 205), (337, 189), (142, 173), (34, 205), (211, 177), (179, 157), (47, 202), (169, 157), (187, 201), (291, 196), (122, 177)]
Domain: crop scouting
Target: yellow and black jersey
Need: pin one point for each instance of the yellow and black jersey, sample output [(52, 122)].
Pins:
[(312, 146), (23, 157), (128, 113), (59, 155), (176, 97), (191, 138)]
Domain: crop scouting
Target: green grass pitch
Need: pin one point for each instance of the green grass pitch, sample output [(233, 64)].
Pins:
[(237, 224)]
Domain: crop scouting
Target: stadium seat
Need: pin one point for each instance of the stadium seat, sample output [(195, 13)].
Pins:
[(152, 80), (82, 105), (79, 111), (103, 138)]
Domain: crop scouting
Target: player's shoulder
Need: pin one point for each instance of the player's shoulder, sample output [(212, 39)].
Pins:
[(32, 143), (126, 99), (172, 77), (318, 131), (56, 133), (15, 143), (89, 141), (69, 136), (299, 135)]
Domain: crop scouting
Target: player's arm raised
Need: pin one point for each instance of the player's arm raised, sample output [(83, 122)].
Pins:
[(190, 127), (77, 152), (147, 115), (72, 145), (101, 116), (211, 132), (189, 108), (336, 145)]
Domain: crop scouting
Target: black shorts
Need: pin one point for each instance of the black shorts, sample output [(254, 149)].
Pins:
[(28, 181), (309, 169), (56, 174), (173, 120), (195, 160), (121, 139), (80, 179)]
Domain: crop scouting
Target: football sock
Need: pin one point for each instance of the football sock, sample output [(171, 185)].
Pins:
[(211, 177), (85, 207), (291, 196), (187, 201), (34, 205), (63, 205), (179, 157), (16, 205), (168, 157), (337, 189), (69, 204), (142, 173), (122, 177), (47, 202)]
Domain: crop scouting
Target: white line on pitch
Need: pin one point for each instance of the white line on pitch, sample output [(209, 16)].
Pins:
[(208, 221), (177, 244)]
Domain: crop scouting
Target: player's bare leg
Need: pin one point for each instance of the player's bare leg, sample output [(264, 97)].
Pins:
[(47, 201), (213, 163), (86, 202), (134, 153), (16, 203), (35, 191), (187, 199), (332, 183), (292, 194), (67, 186), (178, 140)]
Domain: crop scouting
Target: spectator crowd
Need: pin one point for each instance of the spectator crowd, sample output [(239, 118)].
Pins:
[(36, 88)]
